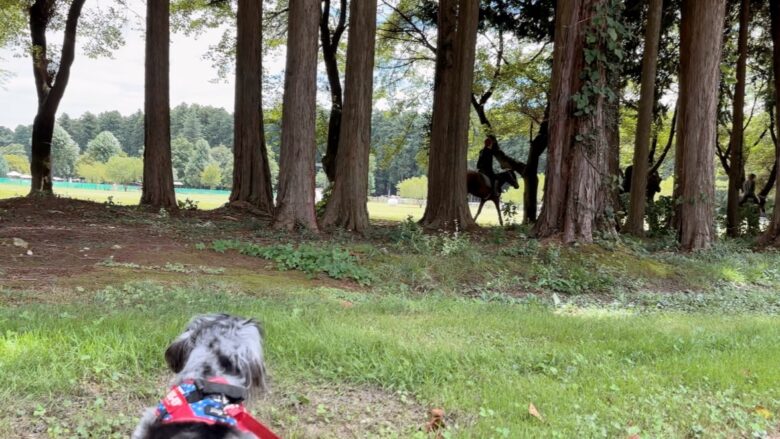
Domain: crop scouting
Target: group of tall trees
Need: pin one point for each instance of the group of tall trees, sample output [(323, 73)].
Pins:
[(598, 48)]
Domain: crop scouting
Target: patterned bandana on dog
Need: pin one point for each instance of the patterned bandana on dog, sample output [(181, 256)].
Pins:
[(195, 402)]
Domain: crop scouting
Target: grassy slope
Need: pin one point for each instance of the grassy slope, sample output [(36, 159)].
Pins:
[(590, 373)]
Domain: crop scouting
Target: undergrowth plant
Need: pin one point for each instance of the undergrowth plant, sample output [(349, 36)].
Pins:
[(334, 261)]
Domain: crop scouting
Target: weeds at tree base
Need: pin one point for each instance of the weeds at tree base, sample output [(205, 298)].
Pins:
[(309, 258)]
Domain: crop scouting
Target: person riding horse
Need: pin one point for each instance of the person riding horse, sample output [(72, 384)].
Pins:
[(485, 162)]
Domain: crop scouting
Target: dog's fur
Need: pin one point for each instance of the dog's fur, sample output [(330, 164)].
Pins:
[(215, 345)]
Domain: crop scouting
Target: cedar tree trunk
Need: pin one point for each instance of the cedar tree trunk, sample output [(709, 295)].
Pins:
[(700, 50), (773, 232), (295, 201), (251, 171), (635, 224), (577, 192), (447, 206), (347, 205), (531, 174), (737, 167), (50, 86), (157, 188)]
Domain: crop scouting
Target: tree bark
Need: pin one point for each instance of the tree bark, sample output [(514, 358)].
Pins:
[(635, 224), (447, 206), (531, 175), (330, 47), (157, 188), (50, 87), (251, 171), (347, 206), (700, 51), (737, 170), (773, 232), (295, 201), (576, 193)]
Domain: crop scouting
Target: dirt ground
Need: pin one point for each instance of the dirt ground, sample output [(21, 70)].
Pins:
[(50, 244), (54, 248)]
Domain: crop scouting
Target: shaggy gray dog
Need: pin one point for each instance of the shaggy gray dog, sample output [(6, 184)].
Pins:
[(218, 359)]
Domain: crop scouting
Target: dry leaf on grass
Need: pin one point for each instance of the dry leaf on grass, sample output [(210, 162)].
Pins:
[(534, 412)]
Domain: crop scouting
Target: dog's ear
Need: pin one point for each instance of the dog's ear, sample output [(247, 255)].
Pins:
[(177, 353), (257, 364)]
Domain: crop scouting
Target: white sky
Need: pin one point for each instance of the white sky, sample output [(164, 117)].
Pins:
[(98, 85)]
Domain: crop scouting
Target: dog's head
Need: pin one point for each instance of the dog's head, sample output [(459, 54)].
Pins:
[(220, 345)]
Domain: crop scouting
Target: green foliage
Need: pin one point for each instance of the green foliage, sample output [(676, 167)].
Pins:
[(196, 163), (415, 187), (3, 167), (659, 215), (334, 261), (64, 153), (510, 211), (409, 236), (124, 170), (13, 149), (92, 172), (17, 163), (223, 157), (211, 176), (187, 204), (603, 54), (104, 146), (181, 151)]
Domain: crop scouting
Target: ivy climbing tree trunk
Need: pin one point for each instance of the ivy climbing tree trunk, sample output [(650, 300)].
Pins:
[(157, 188), (251, 171), (347, 206), (576, 194), (447, 206), (49, 85), (330, 47), (295, 201), (635, 224), (737, 167), (772, 235), (700, 51)]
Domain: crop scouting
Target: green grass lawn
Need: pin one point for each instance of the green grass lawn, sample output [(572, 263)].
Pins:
[(379, 211), (615, 339), (591, 373)]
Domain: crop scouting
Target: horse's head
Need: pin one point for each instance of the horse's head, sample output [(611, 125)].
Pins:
[(510, 178)]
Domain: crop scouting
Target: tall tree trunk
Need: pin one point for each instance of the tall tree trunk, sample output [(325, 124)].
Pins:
[(700, 51), (737, 167), (531, 174), (773, 232), (49, 86), (158, 171), (330, 47), (447, 206), (295, 201), (635, 224), (576, 193), (251, 171), (347, 205)]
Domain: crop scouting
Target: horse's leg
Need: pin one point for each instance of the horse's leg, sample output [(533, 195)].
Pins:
[(481, 203), (496, 201)]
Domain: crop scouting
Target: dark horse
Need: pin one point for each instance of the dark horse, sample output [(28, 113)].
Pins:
[(479, 187)]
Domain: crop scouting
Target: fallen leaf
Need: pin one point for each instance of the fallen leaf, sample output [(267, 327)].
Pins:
[(763, 412), (19, 242), (436, 422), (346, 304), (534, 412)]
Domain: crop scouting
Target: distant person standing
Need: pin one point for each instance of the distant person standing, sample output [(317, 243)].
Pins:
[(485, 162), (749, 191)]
